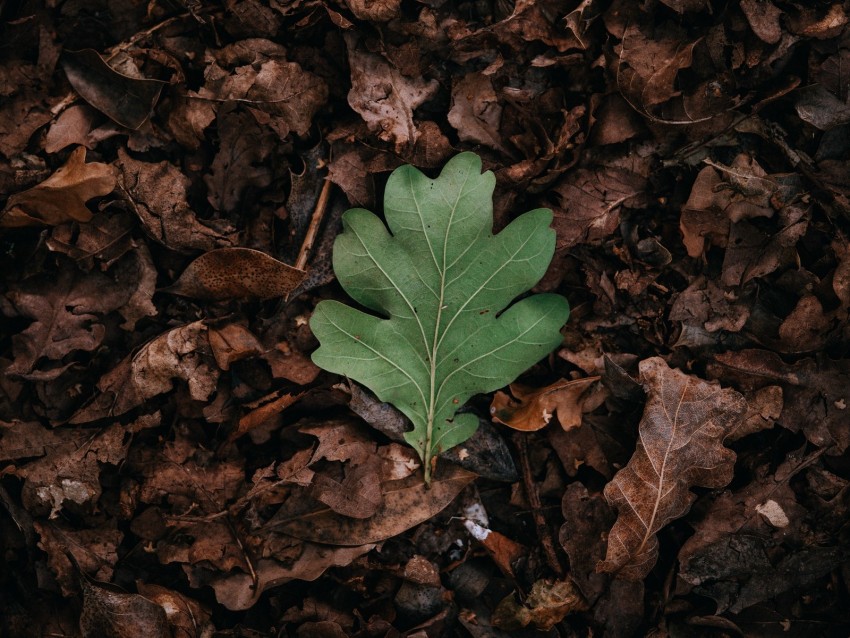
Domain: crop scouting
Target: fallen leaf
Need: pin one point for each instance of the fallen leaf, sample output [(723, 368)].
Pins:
[(232, 342), (534, 408), (158, 194), (95, 550), (242, 161), (376, 10), (681, 445), (128, 101), (105, 238), (406, 503), (62, 196), (109, 612), (384, 98), (476, 112), (547, 605), (764, 19), (71, 127), (186, 617), (236, 273), (590, 201), (181, 353), (67, 312)]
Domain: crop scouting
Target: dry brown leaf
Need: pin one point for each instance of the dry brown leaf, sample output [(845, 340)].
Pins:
[(71, 127), (158, 194), (262, 411), (476, 112), (377, 10), (384, 98), (590, 202), (681, 445), (181, 353), (406, 504), (236, 273), (109, 612), (62, 196), (232, 342), (187, 618), (534, 408), (547, 605), (67, 311)]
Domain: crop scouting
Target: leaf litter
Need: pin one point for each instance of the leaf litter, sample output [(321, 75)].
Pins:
[(204, 473)]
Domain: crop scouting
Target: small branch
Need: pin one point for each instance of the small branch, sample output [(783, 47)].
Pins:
[(543, 531), (315, 222)]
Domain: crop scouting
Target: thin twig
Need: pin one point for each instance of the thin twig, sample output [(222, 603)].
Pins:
[(315, 222), (543, 531)]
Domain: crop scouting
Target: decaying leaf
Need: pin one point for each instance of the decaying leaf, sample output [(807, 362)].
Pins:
[(476, 112), (547, 605), (385, 98), (62, 196), (443, 280), (109, 612), (186, 617), (236, 273), (534, 408), (681, 445), (406, 503), (181, 353), (126, 100)]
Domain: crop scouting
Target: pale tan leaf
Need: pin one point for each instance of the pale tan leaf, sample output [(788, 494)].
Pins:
[(681, 445)]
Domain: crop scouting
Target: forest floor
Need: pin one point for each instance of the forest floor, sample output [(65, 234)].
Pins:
[(173, 463)]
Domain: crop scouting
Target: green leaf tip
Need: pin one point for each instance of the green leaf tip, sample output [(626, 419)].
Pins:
[(441, 282)]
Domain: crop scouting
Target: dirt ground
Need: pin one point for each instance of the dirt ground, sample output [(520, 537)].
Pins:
[(173, 463)]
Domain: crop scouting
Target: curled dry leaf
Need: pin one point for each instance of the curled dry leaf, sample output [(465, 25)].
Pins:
[(533, 409), (61, 197), (681, 445), (181, 353), (547, 605), (236, 273)]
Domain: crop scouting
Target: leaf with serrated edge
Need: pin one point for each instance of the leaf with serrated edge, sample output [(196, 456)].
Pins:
[(681, 445), (440, 280)]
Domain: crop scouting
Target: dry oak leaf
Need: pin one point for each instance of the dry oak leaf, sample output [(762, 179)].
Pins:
[(384, 98), (533, 408), (158, 194), (66, 312), (236, 273), (181, 353), (476, 112), (61, 197), (681, 445)]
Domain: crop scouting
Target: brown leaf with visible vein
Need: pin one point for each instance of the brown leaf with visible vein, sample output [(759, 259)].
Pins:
[(61, 197), (534, 408), (681, 445)]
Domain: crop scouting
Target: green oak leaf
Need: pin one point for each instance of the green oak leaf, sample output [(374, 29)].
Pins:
[(440, 281)]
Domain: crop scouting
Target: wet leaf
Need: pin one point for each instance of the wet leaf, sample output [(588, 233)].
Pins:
[(236, 273), (62, 196), (128, 101), (442, 281), (681, 445), (532, 408)]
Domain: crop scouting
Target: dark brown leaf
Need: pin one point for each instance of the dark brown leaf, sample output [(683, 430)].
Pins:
[(128, 101)]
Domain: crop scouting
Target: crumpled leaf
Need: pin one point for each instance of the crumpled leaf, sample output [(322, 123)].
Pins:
[(384, 98), (442, 280), (67, 312), (547, 605), (236, 273), (681, 445), (158, 195), (62, 196), (181, 353), (534, 408), (126, 100), (476, 112)]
